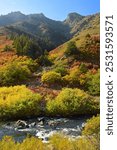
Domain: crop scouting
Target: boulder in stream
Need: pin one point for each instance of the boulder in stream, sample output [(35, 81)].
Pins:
[(41, 121), (21, 124), (33, 124)]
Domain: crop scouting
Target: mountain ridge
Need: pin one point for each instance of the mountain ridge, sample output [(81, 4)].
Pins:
[(41, 28)]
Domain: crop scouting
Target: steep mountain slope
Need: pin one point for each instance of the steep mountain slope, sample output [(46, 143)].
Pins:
[(37, 26), (78, 23), (73, 18), (87, 42), (47, 31)]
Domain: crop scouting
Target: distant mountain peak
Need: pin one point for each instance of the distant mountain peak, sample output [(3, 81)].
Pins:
[(11, 18), (16, 13), (49, 32), (72, 16), (41, 14)]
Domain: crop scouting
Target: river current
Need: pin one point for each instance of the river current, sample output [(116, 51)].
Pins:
[(70, 127)]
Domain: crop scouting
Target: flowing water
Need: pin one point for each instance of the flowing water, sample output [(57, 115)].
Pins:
[(43, 128)]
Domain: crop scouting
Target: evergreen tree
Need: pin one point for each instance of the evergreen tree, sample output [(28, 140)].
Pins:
[(71, 49), (26, 46)]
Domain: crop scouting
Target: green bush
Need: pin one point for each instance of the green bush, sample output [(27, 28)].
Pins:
[(91, 131), (62, 70), (27, 61), (7, 48), (83, 68), (92, 126), (17, 71), (87, 143), (18, 102), (93, 83), (51, 78), (71, 49), (76, 77), (13, 73), (73, 77), (81, 77), (72, 102), (60, 142), (44, 60)]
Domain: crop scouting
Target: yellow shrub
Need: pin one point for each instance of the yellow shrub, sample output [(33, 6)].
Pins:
[(72, 102), (32, 144), (18, 101), (92, 126), (57, 142), (51, 77)]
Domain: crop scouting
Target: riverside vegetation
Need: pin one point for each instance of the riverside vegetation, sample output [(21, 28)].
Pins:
[(38, 81)]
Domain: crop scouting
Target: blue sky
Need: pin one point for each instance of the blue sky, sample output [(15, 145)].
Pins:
[(54, 9)]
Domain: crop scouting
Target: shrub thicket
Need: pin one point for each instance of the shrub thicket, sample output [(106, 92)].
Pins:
[(7, 48), (81, 77), (76, 76), (8, 143), (16, 71), (51, 78), (61, 69), (92, 126), (13, 73), (91, 131), (57, 142), (93, 83), (44, 59), (18, 102), (72, 102), (71, 49)]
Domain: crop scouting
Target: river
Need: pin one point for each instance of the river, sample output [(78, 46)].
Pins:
[(43, 129)]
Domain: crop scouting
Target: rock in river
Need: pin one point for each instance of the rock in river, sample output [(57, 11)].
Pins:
[(21, 124)]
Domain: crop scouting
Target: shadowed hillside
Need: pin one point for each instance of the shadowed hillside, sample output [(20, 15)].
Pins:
[(47, 32)]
